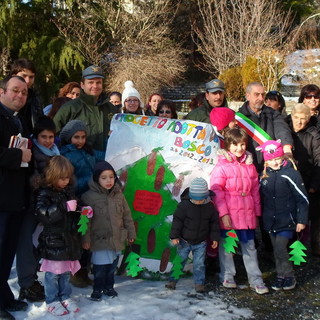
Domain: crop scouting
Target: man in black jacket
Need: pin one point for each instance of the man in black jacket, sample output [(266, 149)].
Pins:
[(266, 118), (13, 186), (27, 261)]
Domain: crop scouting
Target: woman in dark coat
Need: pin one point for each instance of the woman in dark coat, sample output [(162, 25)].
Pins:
[(306, 152)]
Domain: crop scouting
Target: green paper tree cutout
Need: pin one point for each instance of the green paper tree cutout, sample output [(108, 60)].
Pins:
[(177, 267), (133, 267), (230, 242), (297, 253), (83, 223)]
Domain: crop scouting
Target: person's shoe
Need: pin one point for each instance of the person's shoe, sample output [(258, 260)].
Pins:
[(35, 293), (16, 305), (96, 295), (261, 289), (5, 315), (289, 283), (110, 292), (57, 309), (171, 285), (70, 305), (80, 279), (229, 284), (200, 288), (278, 285)]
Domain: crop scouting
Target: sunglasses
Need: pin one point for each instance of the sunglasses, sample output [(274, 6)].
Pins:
[(165, 111), (310, 96)]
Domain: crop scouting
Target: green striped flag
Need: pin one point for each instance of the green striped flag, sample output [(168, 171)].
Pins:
[(252, 129)]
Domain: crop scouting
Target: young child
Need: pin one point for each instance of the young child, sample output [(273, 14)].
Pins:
[(285, 208), (75, 148), (109, 228), (43, 146), (59, 242), (194, 220), (234, 180)]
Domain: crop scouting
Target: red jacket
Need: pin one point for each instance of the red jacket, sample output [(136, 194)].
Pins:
[(236, 186)]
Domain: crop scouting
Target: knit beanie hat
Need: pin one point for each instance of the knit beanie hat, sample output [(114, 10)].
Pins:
[(70, 129), (220, 117), (99, 168), (131, 91), (271, 149), (198, 189)]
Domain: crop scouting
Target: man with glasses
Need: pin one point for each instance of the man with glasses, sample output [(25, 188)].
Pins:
[(92, 107), (27, 260), (14, 180), (215, 97)]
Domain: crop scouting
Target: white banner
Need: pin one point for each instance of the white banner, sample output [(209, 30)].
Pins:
[(156, 158)]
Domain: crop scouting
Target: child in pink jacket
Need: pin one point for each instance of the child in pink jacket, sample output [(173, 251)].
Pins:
[(234, 180)]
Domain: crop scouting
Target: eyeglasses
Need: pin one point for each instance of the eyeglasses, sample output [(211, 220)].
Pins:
[(17, 91), (165, 111), (132, 101), (310, 96)]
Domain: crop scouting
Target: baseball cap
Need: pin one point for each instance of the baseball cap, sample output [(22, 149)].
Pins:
[(215, 85), (92, 72)]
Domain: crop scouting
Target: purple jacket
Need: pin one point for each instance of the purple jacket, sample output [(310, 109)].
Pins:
[(236, 186)]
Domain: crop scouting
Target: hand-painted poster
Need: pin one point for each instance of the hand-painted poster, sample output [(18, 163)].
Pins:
[(156, 158)]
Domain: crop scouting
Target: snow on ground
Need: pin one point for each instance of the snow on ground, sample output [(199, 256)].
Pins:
[(140, 300)]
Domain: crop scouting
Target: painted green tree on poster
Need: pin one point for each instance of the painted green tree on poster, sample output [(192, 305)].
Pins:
[(151, 203)]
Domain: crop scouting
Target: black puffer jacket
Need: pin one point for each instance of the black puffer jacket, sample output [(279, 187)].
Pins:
[(306, 152), (284, 199), (194, 223), (270, 121), (59, 239)]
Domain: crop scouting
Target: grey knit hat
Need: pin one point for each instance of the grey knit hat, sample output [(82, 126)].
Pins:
[(198, 189), (70, 129)]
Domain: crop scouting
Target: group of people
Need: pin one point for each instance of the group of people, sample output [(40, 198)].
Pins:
[(274, 183), (37, 185)]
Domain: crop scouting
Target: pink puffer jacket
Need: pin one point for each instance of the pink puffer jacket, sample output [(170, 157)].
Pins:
[(236, 186)]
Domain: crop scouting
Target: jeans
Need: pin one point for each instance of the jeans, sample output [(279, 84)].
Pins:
[(104, 275), (284, 267), (199, 254), (250, 260), (57, 286)]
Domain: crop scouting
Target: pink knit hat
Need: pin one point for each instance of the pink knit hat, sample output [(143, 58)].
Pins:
[(220, 117), (271, 149)]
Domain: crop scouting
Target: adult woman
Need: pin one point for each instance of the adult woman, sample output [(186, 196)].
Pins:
[(70, 90), (115, 98), (275, 100), (167, 109), (310, 96), (153, 101), (131, 99), (306, 152)]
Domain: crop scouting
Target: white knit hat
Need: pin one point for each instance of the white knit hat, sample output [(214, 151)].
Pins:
[(131, 91)]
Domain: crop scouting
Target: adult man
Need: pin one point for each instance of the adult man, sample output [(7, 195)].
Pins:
[(32, 109), (27, 260), (92, 107), (13, 186), (268, 119), (215, 97)]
